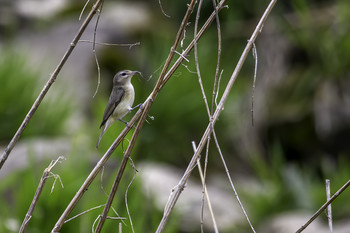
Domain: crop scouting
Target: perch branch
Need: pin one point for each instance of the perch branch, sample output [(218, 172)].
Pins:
[(143, 110)]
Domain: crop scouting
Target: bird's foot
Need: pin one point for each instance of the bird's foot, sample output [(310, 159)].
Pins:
[(137, 106), (126, 123)]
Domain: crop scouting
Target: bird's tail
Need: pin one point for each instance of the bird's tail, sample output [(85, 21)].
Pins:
[(101, 134)]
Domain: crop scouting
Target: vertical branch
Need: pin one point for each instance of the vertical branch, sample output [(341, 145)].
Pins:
[(218, 28), (49, 83), (94, 50), (329, 208), (195, 47), (205, 191), (255, 55), (204, 98)]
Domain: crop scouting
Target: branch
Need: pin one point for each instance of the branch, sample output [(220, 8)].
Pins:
[(49, 83), (46, 174), (205, 192)]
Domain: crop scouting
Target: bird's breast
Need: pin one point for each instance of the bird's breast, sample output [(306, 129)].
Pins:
[(126, 103)]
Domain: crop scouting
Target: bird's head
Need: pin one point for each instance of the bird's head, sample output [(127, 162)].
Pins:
[(123, 76)]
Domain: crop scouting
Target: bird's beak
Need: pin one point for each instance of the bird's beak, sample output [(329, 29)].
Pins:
[(134, 72)]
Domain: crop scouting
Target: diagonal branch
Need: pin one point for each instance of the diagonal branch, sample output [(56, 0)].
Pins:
[(49, 83), (46, 174), (318, 212)]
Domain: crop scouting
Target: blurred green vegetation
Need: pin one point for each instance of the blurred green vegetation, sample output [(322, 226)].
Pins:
[(290, 154), (19, 89), (72, 172)]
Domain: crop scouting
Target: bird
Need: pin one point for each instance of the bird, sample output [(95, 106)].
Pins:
[(120, 101)]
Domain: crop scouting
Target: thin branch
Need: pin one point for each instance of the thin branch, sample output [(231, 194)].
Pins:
[(161, 8), (94, 50), (205, 192), (49, 83), (181, 56), (217, 91), (87, 211), (255, 55), (126, 195), (329, 208), (46, 174), (109, 44), (231, 182), (84, 7), (197, 60), (318, 212), (218, 28), (216, 114)]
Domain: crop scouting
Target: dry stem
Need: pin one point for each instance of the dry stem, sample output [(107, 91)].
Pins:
[(40, 188)]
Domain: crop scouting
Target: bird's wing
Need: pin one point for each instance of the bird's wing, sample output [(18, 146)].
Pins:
[(114, 99)]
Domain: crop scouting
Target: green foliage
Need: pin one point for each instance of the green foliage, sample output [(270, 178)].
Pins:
[(18, 91)]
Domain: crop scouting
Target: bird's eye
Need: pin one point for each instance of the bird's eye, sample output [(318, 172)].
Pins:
[(123, 74)]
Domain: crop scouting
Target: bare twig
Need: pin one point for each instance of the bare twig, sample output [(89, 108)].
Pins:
[(329, 208), (94, 50), (318, 212), (109, 44), (218, 28), (216, 114), (84, 7), (161, 8), (126, 194), (205, 102), (217, 91), (47, 86), (196, 57), (40, 188), (255, 55), (205, 192), (87, 211), (231, 182)]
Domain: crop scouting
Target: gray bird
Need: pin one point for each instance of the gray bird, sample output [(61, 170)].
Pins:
[(120, 101)]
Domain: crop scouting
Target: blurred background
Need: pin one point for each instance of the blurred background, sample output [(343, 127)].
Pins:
[(300, 135)]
